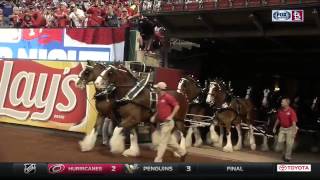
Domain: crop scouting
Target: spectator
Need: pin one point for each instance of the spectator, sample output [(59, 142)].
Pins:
[(2, 19), (146, 29), (61, 15), (16, 18), (7, 7), (111, 18), (76, 16), (94, 15), (124, 17), (27, 19), (37, 18), (49, 17)]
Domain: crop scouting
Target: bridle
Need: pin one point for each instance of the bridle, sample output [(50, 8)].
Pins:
[(180, 89)]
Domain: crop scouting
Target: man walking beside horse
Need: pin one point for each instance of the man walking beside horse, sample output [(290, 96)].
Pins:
[(287, 119), (167, 107)]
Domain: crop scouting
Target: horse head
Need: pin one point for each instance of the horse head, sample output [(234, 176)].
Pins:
[(217, 93), (89, 74), (190, 87), (113, 76)]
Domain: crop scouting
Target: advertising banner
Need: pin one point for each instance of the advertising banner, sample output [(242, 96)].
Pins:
[(74, 44), (44, 94), (288, 15)]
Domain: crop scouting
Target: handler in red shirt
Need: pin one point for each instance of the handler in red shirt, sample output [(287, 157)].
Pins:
[(287, 119), (167, 108)]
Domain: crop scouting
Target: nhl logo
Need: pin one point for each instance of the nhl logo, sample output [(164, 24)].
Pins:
[(30, 168)]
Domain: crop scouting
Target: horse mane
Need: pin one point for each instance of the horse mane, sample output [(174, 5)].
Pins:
[(122, 67)]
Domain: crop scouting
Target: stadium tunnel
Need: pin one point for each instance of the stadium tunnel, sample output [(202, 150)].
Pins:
[(244, 46)]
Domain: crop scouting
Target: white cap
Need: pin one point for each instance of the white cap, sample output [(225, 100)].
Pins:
[(63, 3), (161, 85)]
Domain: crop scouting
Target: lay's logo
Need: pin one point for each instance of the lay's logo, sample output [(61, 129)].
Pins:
[(97, 44)]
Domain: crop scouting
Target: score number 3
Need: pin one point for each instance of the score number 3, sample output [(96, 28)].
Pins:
[(188, 168)]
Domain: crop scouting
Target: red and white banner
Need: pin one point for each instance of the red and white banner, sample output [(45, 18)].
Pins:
[(75, 44), (44, 93)]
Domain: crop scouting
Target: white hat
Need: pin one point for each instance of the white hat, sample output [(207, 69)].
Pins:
[(160, 85), (63, 3)]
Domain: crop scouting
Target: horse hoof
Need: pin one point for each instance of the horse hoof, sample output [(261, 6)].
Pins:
[(253, 147), (197, 144), (130, 153), (264, 148), (105, 143), (84, 147), (237, 148), (217, 145), (227, 149), (175, 154)]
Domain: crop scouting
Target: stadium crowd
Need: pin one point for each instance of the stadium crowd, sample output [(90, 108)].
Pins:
[(68, 13), (81, 14)]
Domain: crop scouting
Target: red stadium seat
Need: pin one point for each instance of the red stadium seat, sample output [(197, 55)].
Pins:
[(254, 3), (194, 6), (274, 2), (238, 3), (293, 1), (166, 7), (223, 4), (208, 5), (179, 7)]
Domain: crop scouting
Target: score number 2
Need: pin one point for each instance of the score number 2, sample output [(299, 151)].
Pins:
[(113, 168)]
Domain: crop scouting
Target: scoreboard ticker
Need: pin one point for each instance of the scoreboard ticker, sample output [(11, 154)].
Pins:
[(158, 169)]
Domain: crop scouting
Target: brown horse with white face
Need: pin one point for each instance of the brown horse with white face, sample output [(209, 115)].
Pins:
[(134, 106), (197, 106), (103, 105), (230, 111)]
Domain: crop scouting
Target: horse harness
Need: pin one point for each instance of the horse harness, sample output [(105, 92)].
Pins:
[(133, 93)]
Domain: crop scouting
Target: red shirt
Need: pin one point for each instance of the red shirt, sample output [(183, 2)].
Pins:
[(95, 18), (61, 16), (165, 106), (286, 117), (38, 20)]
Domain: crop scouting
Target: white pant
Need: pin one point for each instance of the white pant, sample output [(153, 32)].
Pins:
[(166, 140)]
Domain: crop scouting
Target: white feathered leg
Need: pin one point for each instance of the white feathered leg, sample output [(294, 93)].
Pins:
[(105, 133), (189, 137), (228, 146), (264, 146), (246, 141), (238, 146), (117, 144), (197, 136), (220, 142), (208, 138), (134, 150), (183, 142), (89, 141), (252, 139), (213, 134)]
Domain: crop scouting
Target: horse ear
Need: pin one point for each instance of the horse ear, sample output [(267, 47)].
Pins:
[(91, 63), (121, 66)]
